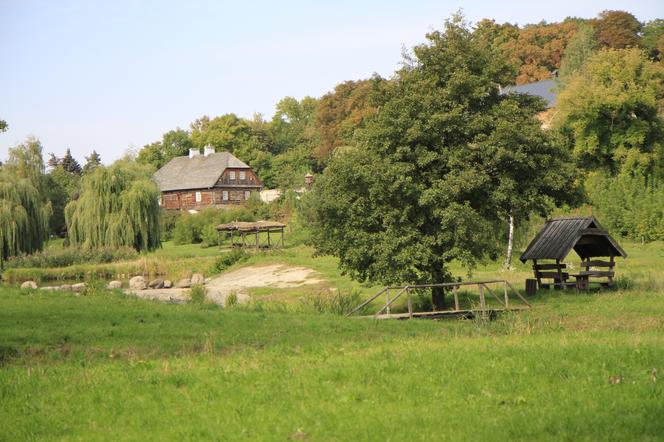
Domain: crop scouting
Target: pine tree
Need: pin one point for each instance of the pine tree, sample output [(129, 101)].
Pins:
[(70, 164), (91, 162)]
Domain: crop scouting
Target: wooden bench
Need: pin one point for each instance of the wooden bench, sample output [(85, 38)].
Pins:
[(553, 271), (595, 270)]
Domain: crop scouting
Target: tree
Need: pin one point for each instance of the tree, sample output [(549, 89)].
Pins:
[(652, 39), (173, 144), (91, 162), (24, 210), (578, 52), (617, 29), (610, 111), (438, 169), (69, 163), (3, 126), (118, 206)]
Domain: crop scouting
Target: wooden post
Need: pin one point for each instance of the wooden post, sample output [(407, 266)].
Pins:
[(387, 302), (482, 300), (539, 281), (507, 299), (256, 239), (410, 305), (611, 269), (455, 291), (560, 275), (282, 237), (268, 238)]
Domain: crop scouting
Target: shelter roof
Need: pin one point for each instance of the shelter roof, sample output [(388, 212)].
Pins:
[(197, 172), (582, 234)]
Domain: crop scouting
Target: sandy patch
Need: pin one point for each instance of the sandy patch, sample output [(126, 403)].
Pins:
[(220, 287)]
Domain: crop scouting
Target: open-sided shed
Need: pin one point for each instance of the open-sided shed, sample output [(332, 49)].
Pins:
[(558, 238), (248, 229)]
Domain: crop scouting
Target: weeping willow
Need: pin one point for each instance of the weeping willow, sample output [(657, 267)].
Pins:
[(24, 216), (117, 207)]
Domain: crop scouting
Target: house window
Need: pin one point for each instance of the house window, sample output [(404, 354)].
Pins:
[(247, 194), (224, 195), (231, 175), (243, 175), (198, 197)]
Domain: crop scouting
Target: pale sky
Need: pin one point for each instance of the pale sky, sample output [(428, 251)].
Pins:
[(118, 74)]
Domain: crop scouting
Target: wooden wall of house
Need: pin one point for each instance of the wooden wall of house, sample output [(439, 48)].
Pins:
[(186, 199), (250, 178)]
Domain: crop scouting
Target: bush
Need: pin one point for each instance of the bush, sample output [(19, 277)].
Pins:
[(228, 259), (337, 303), (231, 300), (68, 256), (197, 294), (199, 227), (167, 224)]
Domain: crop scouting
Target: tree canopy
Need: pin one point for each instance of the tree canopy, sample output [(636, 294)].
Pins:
[(438, 168), (118, 206)]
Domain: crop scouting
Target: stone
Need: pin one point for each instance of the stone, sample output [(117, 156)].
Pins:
[(29, 285), (114, 285), (78, 287), (65, 287), (137, 283), (156, 283), (197, 279), (183, 283), (48, 287), (168, 283)]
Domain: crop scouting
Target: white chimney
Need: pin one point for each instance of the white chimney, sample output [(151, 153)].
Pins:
[(208, 150), (194, 153)]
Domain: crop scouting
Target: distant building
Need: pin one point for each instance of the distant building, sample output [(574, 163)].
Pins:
[(213, 179), (545, 89)]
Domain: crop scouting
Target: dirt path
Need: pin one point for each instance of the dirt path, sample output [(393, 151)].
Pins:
[(220, 287)]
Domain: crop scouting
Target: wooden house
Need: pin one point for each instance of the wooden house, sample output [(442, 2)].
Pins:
[(558, 238), (211, 179)]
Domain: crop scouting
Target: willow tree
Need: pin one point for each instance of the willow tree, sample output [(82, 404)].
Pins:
[(24, 216), (118, 206)]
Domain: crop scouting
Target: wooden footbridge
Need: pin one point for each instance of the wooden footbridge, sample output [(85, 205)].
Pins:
[(392, 293)]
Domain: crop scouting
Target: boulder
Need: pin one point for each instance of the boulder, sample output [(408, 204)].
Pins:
[(114, 285), (29, 285), (65, 287), (168, 283), (197, 279), (78, 287), (137, 283), (183, 283), (156, 283), (48, 287)]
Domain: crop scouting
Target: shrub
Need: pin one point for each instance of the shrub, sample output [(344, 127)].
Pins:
[(167, 224), (197, 294), (68, 256), (337, 303), (231, 300), (199, 227), (228, 259)]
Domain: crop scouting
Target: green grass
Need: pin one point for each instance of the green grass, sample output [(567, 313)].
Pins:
[(107, 366)]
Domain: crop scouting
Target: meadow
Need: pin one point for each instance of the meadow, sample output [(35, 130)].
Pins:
[(107, 366)]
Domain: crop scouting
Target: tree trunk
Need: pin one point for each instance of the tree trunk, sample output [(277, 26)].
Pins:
[(510, 244), (438, 298)]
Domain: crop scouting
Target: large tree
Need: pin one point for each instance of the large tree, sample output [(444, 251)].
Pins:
[(579, 50), (611, 111), (118, 206), (617, 29), (438, 169)]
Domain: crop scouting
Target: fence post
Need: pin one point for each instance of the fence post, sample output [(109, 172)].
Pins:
[(507, 300), (410, 305), (387, 302), (482, 300), (455, 290)]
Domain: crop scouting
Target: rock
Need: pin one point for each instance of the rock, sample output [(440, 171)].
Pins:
[(197, 279), (114, 285), (168, 283), (137, 283), (66, 287), (183, 283), (78, 287), (29, 285), (156, 283), (48, 287)]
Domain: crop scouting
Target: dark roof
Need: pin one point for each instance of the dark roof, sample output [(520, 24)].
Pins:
[(197, 172), (544, 89), (257, 226), (560, 235)]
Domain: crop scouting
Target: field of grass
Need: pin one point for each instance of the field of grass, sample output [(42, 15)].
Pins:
[(107, 366)]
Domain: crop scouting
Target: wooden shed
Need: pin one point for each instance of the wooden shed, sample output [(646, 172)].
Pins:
[(587, 238), (241, 233)]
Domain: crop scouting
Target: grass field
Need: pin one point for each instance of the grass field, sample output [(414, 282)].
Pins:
[(105, 366)]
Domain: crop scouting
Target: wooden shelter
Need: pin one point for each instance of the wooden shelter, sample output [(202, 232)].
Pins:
[(558, 238), (244, 231)]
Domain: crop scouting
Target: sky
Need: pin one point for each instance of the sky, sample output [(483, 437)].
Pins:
[(116, 75)]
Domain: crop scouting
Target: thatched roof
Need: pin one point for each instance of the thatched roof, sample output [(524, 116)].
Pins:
[(198, 172), (251, 226), (583, 234)]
